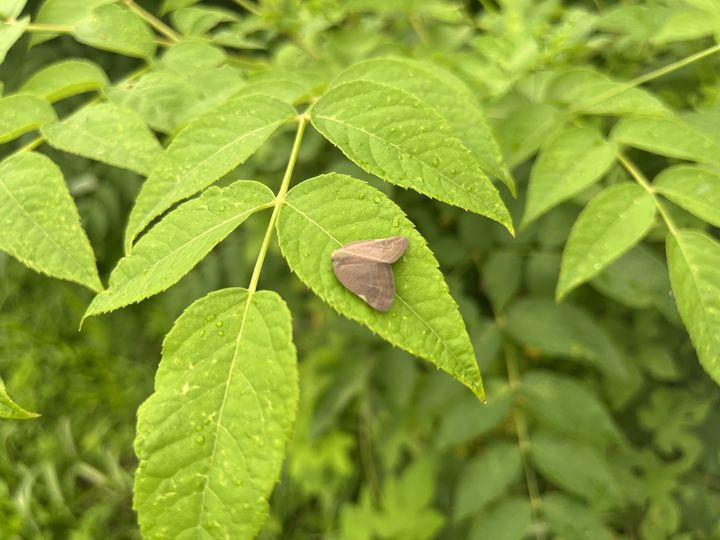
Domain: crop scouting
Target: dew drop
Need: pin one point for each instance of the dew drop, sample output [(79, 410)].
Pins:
[(435, 161), (219, 324), (377, 199), (200, 439)]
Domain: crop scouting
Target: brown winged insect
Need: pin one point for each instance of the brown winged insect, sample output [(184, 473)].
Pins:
[(364, 268)]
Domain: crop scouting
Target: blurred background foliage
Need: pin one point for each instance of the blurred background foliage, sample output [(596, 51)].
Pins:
[(599, 422)]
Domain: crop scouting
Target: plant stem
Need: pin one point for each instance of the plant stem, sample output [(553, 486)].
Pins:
[(637, 81), (521, 430), (54, 28), (153, 21), (32, 145), (639, 177), (279, 199)]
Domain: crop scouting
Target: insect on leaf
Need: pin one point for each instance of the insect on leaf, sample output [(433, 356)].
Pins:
[(364, 268)]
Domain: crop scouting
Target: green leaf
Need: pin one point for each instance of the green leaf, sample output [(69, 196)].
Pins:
[(211, 439), (564, 405), (410, 495), (65, 78), (108, 133), (580, 89), (63, 13), (695, 189), (486, 478), (571, 161), (10, 9), (10, 32), (160, 98), (694, 263), (394, 135), (507, 520), (454, 428), (447, 95), (669, 136), (525, 129), (40, 224), (113, 28), (570, 519), (325, 212), (285, 85), (685, 23), (564, 330), (612, 223), (638, 279), (197, 21), (181, 240), (501, 275), (21, 113), (9, 409), (576, 467), (209, 147)]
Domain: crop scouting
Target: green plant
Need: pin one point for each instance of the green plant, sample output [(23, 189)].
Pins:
[(245, 90)]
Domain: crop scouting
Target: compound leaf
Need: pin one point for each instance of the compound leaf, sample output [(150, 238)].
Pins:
[(568, 163), (21, 113), (181, 240), (65, 78), (39, 223), (696, 189), (394, 135), (109, 133), (207, 148), (613, 222), (211, 439), (327, 211), (694, 264)]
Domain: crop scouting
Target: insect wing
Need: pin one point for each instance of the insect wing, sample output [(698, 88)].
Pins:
[(385, 250), (372, 281)]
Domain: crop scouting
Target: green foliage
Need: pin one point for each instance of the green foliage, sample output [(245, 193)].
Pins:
[(22, 113), (395, 136), (208, 148), (10, 409), (450, 123), (613, 222), (217, 446), (107, 133), (325, 212), (41, 226), (64, 79)]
